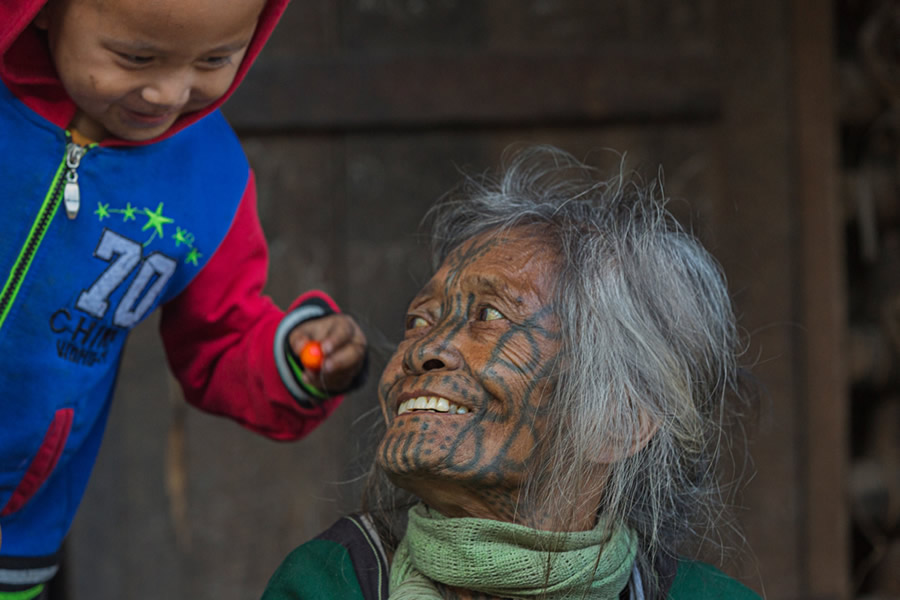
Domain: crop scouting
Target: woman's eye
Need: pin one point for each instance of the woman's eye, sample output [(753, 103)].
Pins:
[(414, 322), (489, 313)]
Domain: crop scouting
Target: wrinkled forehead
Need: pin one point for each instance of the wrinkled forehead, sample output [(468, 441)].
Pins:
[(521, 259)]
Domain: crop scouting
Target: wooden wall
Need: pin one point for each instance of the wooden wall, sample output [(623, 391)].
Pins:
[(358, 116)]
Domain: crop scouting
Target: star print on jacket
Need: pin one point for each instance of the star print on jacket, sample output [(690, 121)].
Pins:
[(156, 222)]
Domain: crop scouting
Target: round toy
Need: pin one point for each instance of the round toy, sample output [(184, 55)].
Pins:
[(311, 356)]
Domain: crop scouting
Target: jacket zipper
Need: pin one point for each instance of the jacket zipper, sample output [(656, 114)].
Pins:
[(64, 186), (71, 193)]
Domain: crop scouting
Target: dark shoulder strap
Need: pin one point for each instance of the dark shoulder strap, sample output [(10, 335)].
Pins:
[(358, 536), (664, 569)]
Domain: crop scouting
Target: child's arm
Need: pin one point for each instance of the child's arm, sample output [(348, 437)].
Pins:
[(220, 338)]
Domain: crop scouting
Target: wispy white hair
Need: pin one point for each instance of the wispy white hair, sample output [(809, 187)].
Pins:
[(648, 373)]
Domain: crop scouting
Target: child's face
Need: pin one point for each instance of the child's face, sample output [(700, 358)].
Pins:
[(132, 67)]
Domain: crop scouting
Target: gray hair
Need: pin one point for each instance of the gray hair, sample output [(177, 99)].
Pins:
[(647, 376)]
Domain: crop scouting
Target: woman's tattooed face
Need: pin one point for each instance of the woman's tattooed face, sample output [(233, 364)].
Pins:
[(464, 394)]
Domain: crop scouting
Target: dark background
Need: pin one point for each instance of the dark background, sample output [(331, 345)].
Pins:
[(775, 123)]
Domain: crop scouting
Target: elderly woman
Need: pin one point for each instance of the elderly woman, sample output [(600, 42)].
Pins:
[(555, 408)]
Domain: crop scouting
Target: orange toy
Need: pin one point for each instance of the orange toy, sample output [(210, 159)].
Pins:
[(311, 356)]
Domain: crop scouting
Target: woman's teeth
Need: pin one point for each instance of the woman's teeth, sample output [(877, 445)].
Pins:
[(432, 403)]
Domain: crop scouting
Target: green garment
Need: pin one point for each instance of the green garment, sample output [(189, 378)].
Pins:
[(699, 580), (317, 570), (508, 560), (322, 569)]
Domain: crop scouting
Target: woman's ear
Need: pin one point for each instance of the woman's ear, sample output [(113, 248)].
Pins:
[(620, 449), (647, 428)]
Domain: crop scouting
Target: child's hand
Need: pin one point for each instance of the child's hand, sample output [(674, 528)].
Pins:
[(343, 346)]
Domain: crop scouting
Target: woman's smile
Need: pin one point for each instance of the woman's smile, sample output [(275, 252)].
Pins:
[(435, 404)]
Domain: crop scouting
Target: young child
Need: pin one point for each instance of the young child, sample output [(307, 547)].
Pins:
[(124, 189)]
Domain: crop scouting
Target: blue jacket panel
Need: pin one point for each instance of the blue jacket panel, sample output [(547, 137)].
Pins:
[(149, 218)]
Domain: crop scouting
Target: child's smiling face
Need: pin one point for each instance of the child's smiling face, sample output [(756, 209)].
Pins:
[(132, 67)]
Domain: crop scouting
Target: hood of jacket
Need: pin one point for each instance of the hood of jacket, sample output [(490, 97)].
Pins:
[(27, 69)]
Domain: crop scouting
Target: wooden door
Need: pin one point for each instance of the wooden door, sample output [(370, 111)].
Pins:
[(359, 115)]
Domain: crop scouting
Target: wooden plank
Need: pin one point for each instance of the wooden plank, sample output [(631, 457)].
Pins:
[(393, 25), (756, 228), (380, 91), (823, 303)]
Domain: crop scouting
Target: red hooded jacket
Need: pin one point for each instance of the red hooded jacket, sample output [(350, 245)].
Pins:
[(224, 340), (221, 316)]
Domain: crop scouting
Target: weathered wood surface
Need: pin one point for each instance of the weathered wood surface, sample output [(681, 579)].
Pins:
[(357, 118), (425, 91), (823, 305)]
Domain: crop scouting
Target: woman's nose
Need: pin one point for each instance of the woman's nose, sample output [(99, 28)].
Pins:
[(431, 355), (433, 364)]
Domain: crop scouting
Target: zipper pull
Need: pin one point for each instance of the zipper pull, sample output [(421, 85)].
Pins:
[(71, 192)]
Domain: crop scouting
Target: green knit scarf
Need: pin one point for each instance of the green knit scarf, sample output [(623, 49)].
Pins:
[(508, 560)]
